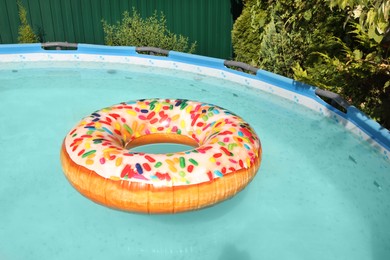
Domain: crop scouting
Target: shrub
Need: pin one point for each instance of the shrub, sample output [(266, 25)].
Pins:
[(274, 35), (152, 31), (246, 37), (26, 34), (360, 73), (328, 48), (361, 70)]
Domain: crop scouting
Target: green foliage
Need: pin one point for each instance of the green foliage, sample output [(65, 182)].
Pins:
[(372, 15), (152, 31), (26, 34), (360, 73), (245, 39), (313, 42), (275, 34)]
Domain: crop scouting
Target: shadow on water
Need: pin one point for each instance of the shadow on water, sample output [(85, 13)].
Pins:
[(231, 252)]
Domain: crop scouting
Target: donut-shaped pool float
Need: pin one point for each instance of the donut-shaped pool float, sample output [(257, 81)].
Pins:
[(98, 160)]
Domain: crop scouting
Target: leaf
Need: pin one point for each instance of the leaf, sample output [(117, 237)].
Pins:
[(358, 54), (381, 27), (371, 17), (307, 15), (387, 84), (343, 4), (357, 12), (373, 34)]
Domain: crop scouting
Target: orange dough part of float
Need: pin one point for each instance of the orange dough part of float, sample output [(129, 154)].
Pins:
[(98, 160)]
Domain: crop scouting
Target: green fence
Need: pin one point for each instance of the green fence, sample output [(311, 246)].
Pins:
[(208, 22)]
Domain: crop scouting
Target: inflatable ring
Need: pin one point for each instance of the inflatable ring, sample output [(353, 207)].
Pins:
[(98, 160)]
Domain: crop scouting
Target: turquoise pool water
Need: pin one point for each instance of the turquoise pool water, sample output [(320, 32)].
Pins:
[(320, 193)]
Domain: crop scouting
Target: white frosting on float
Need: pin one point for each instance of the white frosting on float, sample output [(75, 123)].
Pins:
[(226, 142)]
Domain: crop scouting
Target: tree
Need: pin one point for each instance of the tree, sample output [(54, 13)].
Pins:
[(26, 33)]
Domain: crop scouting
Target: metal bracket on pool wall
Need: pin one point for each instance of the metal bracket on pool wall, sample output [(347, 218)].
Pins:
[(59, 46), (335, 99)]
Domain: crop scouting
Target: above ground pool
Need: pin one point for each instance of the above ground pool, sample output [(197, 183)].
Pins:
[(322, 191)]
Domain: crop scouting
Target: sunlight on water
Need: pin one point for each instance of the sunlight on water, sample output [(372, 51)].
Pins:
[(320, 193)]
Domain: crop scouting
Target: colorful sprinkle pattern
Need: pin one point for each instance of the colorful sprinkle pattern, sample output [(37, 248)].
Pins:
[(226, 142)]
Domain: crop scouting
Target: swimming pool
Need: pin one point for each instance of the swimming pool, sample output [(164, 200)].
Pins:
[(321, 193)]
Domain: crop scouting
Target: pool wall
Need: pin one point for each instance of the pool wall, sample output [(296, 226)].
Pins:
[(352, 119)]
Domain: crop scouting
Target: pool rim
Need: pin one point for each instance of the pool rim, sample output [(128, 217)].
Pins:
[(312, 97)]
